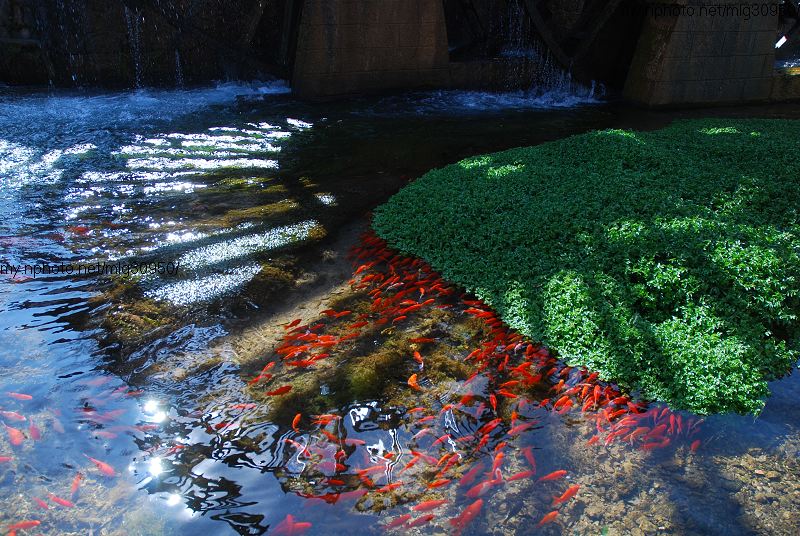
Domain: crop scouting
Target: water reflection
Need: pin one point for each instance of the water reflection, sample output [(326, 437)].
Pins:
[(226, 186)]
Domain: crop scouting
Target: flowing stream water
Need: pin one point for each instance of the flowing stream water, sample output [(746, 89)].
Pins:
[(211, 188)]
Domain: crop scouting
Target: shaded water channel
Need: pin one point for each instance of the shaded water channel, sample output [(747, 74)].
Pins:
[(253, 200)]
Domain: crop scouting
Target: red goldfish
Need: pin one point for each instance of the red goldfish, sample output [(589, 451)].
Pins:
[(58, 500), (466, 517), (34, 431), (412, 382), (290, 527), (12, 416), (426, 506), (567, 495), (548, 518), (14, 436), (102, 466), (280, 391), (555, 475), (421, 521), (398, 522)]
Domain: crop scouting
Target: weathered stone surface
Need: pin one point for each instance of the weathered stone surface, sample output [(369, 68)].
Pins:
[(693, 52), (349, 46), (133, 42)]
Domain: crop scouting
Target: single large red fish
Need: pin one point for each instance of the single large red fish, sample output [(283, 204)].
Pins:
[(14, 436), (412, 382), (427, 506), (421, 521), (103, 467), (280, 391), (290, 527), (466, 517), (63, 502), (548, 518), (555, 475), (397, 522), (567, 495), (12, 416)]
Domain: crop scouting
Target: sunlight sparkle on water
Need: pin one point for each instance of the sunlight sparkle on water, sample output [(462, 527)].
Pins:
[(154, 467)]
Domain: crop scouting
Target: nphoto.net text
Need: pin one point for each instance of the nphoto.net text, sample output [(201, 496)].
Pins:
[(102, 268)]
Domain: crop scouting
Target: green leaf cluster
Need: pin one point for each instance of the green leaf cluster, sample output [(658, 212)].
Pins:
[(668, 261)]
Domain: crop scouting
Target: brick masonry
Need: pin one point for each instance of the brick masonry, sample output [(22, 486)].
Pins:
[(689, 54), (354, 46)]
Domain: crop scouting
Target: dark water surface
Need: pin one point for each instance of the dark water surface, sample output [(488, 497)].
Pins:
[(217, 183)]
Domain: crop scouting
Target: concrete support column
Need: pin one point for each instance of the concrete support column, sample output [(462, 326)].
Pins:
[(355, 46), (704, 52)]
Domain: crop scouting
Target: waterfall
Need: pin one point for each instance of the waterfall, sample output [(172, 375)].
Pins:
[(133, 23), (178, 69), (530, 63)]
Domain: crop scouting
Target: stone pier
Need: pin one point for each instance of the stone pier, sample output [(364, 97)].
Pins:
[(698, 52), (356, 46)]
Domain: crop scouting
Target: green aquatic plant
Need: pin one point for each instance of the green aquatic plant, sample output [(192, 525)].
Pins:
[(668, 261)]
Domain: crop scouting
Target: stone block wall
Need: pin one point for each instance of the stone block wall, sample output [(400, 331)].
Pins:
[(704, 52), (354, 46)]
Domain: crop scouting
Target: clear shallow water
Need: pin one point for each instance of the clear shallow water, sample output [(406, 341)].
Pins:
[(218, 181)]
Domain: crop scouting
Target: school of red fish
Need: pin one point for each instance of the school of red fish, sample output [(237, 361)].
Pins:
[(25, 432), (444, 461), (449, 474)]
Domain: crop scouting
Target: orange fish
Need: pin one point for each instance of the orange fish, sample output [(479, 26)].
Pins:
[(695, 445), (412, 382), (466, 517), (290, 527), (14, 436), (438, 483), (397, 522), (12, 416), (567, 495), (280, 391), (34, 431), (555, 475), (5, 459), (58, 500), (421, 340), (528, 453), (498, 461), (43, 505), (421, 521), (325, 419), (76, 482), (418, 359), (470, 476), (19, 396), (520, 428), (427, 506), (548, 518), (520, 476), (296, 421), (102, 466)]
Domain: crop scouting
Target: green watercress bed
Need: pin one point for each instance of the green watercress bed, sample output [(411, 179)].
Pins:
[(668, 261)]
